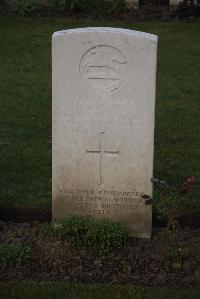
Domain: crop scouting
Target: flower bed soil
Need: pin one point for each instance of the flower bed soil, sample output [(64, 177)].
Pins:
[(142, 262)]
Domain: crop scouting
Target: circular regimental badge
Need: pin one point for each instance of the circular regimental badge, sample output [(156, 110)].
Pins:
[(103, 68)]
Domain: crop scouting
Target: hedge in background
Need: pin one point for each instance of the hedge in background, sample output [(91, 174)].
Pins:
[(188, 9), (21, 7), (97, 8)]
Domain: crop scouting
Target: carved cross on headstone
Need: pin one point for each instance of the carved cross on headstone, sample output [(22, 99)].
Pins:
[(101, 152)]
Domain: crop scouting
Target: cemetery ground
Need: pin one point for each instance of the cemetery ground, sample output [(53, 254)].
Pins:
[(53, 290), (172, 258)]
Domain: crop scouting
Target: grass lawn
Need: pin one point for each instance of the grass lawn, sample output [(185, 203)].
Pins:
[(32, 290), (25, 99)]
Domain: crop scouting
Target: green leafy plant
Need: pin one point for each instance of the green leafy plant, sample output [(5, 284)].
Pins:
[(13, 254), (103, 235), (168, 206), (22, 7), (177, 255), (173, 248), (172, 202)]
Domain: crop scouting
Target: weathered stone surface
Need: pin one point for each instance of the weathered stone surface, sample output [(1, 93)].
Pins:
[(103, 124)]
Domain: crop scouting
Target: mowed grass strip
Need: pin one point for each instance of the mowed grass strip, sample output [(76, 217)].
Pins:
[(25, 103), (53, 290)]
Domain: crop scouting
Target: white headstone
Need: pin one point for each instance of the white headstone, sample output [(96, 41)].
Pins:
[(174, 2), (103, 124), (132, 3)]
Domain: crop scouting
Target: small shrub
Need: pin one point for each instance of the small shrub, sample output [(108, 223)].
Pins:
[(13, 254), (173, 247), (170, 204), (103, 235), (177, 255), (22, 7), (168, 207)]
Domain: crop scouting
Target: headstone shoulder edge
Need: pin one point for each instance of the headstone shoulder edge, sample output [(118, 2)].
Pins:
[(138, 34)]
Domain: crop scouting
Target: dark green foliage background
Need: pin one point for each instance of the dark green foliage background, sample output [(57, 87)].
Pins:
[(97, 8), (25, 103), (188, 9)]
